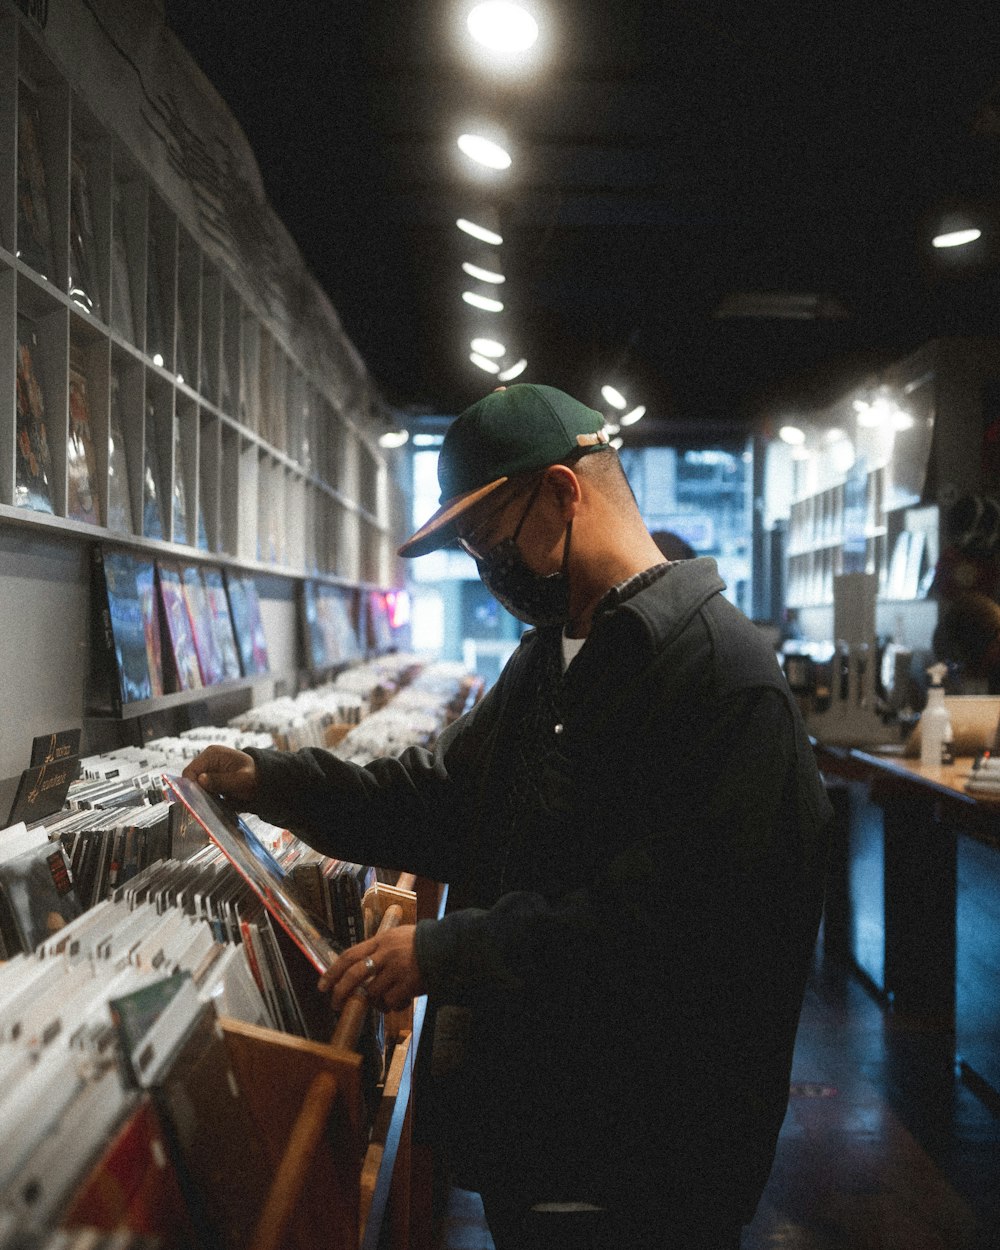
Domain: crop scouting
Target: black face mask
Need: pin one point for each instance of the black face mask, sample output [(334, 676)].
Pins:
[(535, 598)]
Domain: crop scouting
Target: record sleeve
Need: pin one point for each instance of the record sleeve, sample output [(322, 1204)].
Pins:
[(36, 896), (202, 627), (34, 461), (181, 518), (152, 481), (263, 873), (131, 623), (122, 314), (133, 1184), (82, 502), (34, 232), (83, 287), (248, 627), (379, 625), (179, 635), (223, 1166), (119, 498), (335, 611), (218, 602)]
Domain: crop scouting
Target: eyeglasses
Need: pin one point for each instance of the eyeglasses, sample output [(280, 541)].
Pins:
[(474, 544)]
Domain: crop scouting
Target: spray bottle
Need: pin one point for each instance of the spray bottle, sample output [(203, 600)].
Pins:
[(935, 724)]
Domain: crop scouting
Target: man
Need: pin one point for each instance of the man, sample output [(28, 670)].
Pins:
[(634, 829)]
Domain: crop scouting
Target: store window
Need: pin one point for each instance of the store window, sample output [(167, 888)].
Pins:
[(704, 495), (701, 494)]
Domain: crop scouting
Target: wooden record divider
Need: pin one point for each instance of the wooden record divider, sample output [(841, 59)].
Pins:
[(332, 1187)]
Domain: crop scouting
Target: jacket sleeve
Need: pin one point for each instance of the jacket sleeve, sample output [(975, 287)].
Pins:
[(683, 860), (409, 813)]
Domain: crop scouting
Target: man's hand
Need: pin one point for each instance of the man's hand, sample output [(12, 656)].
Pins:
[(221, 770), (390, 981)]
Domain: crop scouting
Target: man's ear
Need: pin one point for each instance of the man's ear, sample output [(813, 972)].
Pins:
[(565, 486)]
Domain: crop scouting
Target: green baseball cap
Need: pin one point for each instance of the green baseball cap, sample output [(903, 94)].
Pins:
[(514, 430)]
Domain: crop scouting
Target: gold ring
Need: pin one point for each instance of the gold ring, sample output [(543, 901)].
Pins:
[(370, 966)]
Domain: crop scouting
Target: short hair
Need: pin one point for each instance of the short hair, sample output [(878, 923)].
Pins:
[(605, 470)]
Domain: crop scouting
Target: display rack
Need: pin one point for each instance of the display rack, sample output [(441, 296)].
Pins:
[(234, 439)]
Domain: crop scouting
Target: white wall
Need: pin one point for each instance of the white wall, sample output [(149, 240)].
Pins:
[(45, 638)]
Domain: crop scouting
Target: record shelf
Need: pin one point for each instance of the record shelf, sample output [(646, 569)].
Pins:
[(331, 1189), (176, 379)]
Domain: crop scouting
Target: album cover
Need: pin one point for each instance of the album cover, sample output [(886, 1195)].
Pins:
[(34, 461), (36, 897), (145, 580), (247, 624), (335, 611), (152, 480), (124, 586), (82, 501), (122, 312), (264, 874), (121, 630), (183, 651), (83, 276), (180, 495), (202, 627), (157, 347), (133, 1184), (222, 1163), (119, 496), (218, 602), (34, 232), (379, 625)]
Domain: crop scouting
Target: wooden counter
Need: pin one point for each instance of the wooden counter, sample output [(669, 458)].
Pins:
[(914, 895)]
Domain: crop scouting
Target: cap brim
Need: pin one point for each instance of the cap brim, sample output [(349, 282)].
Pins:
[(440, 529)]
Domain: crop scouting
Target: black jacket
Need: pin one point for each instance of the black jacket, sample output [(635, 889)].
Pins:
[(634, 938)]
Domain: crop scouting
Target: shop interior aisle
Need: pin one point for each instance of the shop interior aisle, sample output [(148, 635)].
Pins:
[(881, 1149)]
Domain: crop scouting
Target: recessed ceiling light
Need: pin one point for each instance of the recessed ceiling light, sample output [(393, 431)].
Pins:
[(482, 301), (956, 238), (792, 435), (483, 362), (484, 151), (630, 418), (482, 275), (503, 27), (615, 398), (479, 232), (515, 371), (488, 347)]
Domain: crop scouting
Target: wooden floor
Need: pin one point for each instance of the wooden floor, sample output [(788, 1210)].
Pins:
[(882, 1148)]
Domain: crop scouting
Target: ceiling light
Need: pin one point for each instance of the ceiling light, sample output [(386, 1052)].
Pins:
[(484, 151), (956, 238), (616, 443), (482, 301), (479, 232), (488, 347), (792, 435), (482, 275), (615, 398), (502, 26), (393, 438), (515, 371), (630, 418), (610, 428), (483, 362)]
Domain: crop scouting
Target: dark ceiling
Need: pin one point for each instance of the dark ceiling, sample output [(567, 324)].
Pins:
[(671, 161)]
